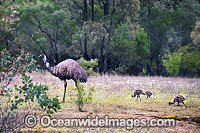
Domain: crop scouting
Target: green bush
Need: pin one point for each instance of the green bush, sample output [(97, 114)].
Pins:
[(190, 59), (82, 96), (172, 62), (12, 66), (89, 66), (122, 69)]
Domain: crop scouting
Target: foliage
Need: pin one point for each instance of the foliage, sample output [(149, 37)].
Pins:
[(47, 28), (82, 96), (190, 59), (130, 47), (142, 46), (11, 98), (186, 59), (172, 62), (31, 91), (171, 24), (121, 69), (8, 18), (114, 32), (89, 66), (144, 70), (12, 66)]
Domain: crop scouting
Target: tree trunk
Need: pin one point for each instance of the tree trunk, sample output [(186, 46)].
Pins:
[(85, 47), (149, 37), (92, 5), (102, 56), (103, 53), (85, 11), (85, 34)]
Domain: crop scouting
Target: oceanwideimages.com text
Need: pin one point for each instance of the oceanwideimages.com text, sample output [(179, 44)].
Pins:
[(128, 123)]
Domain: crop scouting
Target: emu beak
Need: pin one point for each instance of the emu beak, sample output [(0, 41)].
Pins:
[(41, 55), (43, 58)]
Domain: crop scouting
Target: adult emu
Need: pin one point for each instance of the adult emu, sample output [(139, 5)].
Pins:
[(65, 70)]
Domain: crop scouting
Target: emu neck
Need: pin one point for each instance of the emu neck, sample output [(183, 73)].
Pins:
[(52, 70)]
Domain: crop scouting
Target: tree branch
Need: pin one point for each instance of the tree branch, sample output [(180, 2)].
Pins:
[(78, 5), (40, 27), (37, 44)]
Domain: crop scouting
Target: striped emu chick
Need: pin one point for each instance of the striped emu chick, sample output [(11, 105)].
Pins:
[(148, 93), (137, 93), (178, 99)]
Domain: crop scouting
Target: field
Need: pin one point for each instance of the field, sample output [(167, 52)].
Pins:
[(112, 97)]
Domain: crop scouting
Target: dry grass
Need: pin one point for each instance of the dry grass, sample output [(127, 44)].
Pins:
[(113, 98)]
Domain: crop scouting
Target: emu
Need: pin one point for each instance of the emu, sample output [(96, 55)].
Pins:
[(138, 92), (179, 98), (148, 93), (65, 70)]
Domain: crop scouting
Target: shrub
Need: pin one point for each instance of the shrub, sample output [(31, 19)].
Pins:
[(12, 97), (172, 62), (89, 66), (190, 60), (122, 69), (82, 96)]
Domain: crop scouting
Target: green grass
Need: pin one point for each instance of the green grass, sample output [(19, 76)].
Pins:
[(113, 98)]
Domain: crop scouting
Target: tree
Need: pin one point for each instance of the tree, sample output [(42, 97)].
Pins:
[(47, 28), (83, 6), (166, 29), (90, 28), (129, 49), (149, 5), (111, 10)]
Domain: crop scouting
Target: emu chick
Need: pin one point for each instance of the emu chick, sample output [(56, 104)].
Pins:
[(137, 93), (179, 98), (148, 93)]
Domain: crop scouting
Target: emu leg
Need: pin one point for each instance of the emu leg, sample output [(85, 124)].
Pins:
[(178, 103), (65, 86), (140, 98), (147, 97), (76, 84), (184, 104)]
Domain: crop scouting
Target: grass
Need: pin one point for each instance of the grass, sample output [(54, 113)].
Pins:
[(113, 98)]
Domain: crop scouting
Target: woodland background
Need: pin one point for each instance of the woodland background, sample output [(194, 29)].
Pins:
[(148, 37)]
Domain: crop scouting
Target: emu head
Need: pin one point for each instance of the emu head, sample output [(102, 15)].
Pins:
[(133, 95), (44, 58)]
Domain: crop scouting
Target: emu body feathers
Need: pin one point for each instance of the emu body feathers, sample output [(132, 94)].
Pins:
[(68, 69)]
